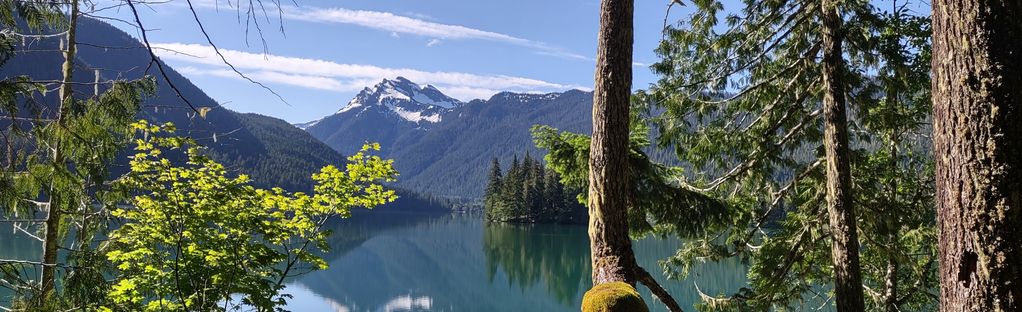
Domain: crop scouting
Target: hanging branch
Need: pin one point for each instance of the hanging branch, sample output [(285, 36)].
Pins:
[(154, 59), (209, 40)]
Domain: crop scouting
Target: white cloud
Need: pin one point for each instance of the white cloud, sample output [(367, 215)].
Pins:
[(327, 75), (469, 93), (387, 21), (433, 42), (566, 55), (304, 81), (396, 25)]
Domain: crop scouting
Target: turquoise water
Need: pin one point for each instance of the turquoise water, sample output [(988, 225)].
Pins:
[(401, 262), (390, 261)]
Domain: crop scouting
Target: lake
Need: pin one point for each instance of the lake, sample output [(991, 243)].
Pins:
[(394, 261), (454, 262)]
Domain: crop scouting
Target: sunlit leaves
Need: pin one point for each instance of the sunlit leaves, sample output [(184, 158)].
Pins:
[(194, 237)]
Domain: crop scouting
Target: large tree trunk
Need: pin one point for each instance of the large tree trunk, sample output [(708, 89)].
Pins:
[(53, 215), (977, 115), (609, 188), (845, 247)]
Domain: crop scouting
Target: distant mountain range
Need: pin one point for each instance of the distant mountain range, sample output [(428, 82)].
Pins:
[(271, 151), (440, 145)]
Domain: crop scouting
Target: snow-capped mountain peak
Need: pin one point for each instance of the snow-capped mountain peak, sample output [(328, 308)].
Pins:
[(404, 98)]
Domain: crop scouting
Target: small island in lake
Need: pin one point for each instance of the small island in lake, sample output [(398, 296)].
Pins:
[(530, 193)]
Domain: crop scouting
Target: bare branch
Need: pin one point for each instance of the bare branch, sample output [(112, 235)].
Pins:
[(154, 59), (209, 40)]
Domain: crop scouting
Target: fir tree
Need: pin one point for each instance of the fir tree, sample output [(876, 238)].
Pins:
[(530, 193), (755, 103), (493, 190)]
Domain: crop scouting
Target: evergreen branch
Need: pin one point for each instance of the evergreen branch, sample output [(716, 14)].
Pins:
[(778, 196), (756, 59), (759, 84)]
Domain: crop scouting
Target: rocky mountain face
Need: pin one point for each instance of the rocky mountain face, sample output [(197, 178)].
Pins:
[(383, 113), (440, 145)]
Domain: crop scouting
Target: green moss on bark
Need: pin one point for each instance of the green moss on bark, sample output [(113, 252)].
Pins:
[(613, 297)]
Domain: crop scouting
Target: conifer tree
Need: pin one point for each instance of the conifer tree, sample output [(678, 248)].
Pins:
[(544, 198), (759, 110), (61, 162), (493, 190), (553, 194)]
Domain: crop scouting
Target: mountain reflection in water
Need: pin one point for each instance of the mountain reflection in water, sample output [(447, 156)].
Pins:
[(385, 261)]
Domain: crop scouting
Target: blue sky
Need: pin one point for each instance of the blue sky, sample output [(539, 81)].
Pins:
[(329, 50)]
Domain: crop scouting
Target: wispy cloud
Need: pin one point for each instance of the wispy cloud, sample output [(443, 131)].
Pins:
[(413, 24), (332, 76), (390, 22)]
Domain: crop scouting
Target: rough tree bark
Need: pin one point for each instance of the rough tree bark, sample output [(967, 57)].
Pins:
[(840, 206), (610, 192), (609, 188), (53, 214), (977, 129)]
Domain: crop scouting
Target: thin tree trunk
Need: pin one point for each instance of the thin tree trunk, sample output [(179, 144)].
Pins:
[(977, 115), (891, 284), (610, 192), (845, 247), (890, 227), (53, 215)]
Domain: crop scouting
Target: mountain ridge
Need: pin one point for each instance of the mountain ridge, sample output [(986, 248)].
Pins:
[(449, 157), (272, 152)]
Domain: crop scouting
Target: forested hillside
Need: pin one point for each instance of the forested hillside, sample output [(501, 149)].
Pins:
[(450, 158), (268, 149)]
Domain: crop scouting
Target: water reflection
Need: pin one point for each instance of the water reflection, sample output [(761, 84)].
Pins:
[(386, 261), (459, 263), (552, 256)]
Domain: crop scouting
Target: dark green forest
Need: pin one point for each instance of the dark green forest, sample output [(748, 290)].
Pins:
[(530, 193)]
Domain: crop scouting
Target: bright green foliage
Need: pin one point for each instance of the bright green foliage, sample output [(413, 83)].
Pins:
[(613, 297), (194, 238), (530, 193), (739, 101)]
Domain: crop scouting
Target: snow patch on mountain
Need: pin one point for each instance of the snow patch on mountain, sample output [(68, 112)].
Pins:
[(405, 99), (306, 125)]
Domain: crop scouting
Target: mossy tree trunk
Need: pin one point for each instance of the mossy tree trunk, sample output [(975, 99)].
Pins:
[(977, 115), (840, 206), (52, 235), (610, 191)]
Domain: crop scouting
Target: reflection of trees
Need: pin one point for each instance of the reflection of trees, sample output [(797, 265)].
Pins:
[(558, 256)]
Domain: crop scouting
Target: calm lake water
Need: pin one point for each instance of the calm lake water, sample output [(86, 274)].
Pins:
[(390, 261), (403, 261)]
